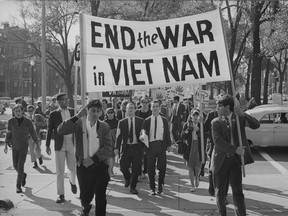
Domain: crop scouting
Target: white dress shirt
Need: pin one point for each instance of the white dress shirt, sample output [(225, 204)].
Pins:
[(93, 140), (159, 130)]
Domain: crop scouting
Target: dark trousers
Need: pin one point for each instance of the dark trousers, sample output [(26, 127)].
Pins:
[(93, 180), (131, 157), (156, 152), (19, 158), (176, 129), (230, 171)]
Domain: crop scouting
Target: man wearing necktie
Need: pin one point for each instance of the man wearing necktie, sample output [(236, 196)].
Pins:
[(64, 146), (129, 147), (178, 118), (157, 130), (226, 161)]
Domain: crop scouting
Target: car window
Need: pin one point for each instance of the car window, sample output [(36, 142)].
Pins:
[(267, 119), (282, 118)]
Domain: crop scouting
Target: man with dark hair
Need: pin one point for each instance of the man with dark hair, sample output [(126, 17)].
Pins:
[(92, 166), (157, 130), (63, 147), (144, 112), (18, 131), (121, 113), (129, 146), (226, 156), (178, 118)]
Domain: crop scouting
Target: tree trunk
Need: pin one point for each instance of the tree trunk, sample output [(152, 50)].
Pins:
[(94, 7), (266, 81), (247, 85), (256, 56)]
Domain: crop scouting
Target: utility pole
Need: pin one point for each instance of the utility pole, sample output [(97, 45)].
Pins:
[(43, 55)]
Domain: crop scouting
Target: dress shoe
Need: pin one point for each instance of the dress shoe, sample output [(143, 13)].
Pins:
[(73, 188), (35, 165), (192, 189), (152, 192), (160, 189), (133, 191), (24, 179), (41, 160), (60, 199), (86, 210), (211, 191), (127, 182), (18, 188)]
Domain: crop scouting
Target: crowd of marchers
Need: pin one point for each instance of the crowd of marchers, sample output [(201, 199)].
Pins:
[(139, 134)]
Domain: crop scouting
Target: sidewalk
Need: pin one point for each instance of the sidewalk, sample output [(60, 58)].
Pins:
[(265, 194)]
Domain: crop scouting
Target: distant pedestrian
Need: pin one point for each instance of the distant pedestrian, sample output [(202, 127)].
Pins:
[(121, 113), (129, 147), (64, 150), (112, 121), (92, 171), (38, 122), (18, 131), (38, 109), (156, 129)]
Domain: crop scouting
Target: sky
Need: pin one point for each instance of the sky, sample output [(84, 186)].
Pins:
[(10, 8)]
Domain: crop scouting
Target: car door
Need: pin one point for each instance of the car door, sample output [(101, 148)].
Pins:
[(281, 132), (264, 136)]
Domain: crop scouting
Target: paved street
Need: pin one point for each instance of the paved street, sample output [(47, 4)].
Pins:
[(266, 190)]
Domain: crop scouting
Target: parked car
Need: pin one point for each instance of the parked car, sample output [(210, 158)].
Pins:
[(6, 101), (2, 108), (3, 128), (273, 129)]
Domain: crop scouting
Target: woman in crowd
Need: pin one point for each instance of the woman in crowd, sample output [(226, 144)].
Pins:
[(192, 137), (112, 121)]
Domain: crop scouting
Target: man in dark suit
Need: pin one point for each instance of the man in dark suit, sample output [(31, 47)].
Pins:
[(157, 130), (121, 113), (130, 147), (178, 118), (226, 161), (63, 147)]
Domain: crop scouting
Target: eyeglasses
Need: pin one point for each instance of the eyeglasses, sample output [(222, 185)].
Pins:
[(110, 112), (66, 98)]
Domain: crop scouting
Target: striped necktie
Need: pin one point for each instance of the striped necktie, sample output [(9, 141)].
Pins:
[(229, 132)]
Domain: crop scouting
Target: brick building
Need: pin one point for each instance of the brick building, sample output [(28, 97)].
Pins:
[(16, 70)]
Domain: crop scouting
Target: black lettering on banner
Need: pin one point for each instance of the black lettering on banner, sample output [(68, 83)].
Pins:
[(185, 71), (189, 35), (134, 72), (132, 38), (95, 34), (77, 52), (101, 77), (147, 64), (209, 67), (126, 72), (111, 36), (205, 31), (115, 71), (169, 36), (172, 69)]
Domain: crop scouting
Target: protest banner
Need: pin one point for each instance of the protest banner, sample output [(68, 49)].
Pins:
[(124, 55)]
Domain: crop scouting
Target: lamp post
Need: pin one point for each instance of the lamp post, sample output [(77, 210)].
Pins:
[(32, 62)]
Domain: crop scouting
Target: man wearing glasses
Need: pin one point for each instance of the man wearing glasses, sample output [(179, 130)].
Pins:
[(63, 147), (130, 147)]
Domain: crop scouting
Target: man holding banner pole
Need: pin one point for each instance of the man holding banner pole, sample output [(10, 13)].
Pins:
[(226, 157)]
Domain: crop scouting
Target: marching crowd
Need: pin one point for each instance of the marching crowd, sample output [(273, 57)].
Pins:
[(139, 133)]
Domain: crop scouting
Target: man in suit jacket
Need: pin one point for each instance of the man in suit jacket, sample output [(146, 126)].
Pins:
[(178, 118), (121, 113), (157, 130), (92, 167), (63, 148), (130, 147), (226, 161)]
